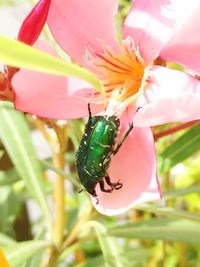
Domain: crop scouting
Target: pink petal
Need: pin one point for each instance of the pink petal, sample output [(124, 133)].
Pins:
[(51, 96), (184, 48), (34, 22), (78, 24), (170, 96), (135, 167), (151, 24)]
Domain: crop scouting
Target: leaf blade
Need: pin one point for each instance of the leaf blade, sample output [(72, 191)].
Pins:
[(113, 253), (6, 240), (184, 147), (169, 212), (15, 135), (20, 252), (160, 229), (182, 192), (17, 54)]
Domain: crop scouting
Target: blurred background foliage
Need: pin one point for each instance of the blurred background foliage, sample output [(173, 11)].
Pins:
[(164, 233)]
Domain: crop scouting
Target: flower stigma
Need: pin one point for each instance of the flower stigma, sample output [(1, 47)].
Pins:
[(121, 74)]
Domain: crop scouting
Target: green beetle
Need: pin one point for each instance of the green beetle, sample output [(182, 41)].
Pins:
[(97, 146)]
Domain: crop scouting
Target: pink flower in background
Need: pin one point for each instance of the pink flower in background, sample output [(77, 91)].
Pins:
[(85, 29)]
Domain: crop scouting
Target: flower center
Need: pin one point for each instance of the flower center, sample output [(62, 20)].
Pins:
[(121, 75)]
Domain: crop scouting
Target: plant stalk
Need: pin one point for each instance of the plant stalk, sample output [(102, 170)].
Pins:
[(175, 129)]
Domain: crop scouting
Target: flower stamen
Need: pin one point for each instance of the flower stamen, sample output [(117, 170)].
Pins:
[(121, 74)]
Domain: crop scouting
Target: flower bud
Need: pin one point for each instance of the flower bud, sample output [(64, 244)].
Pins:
[(34, 22)]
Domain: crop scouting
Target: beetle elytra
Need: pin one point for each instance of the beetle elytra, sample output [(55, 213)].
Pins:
[(94, 154)]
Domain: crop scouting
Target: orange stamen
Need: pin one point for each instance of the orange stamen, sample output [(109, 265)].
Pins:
[(122, 74)]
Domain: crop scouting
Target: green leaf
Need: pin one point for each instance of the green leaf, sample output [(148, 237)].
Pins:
[(113, 253), (169, 212), (91, 262), (35, 260), (9, 212), (8, 177), (69, 251), (15, 135), (19, 252), (6, 240), (20, 55), (184, 147), (160, 229), (134, 255), (182, 192), (56, 170)]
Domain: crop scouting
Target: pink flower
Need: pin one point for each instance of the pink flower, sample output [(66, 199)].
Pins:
[(85, 29)]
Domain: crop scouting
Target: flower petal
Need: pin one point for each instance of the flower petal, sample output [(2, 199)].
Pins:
[(170, 96), (34, 22), (51, 96), (151, 24), (135, 167), (78, 24), (184, 47)]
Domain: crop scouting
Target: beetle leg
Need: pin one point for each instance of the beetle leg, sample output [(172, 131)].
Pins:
[(101, 183), (125, 135), (115, 186), (94, 194), (89, 111), (123, 139)]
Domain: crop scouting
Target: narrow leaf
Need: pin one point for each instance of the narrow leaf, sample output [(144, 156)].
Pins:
[(70, 177), (17, 54), (182, 192), (8, 177), (161, 229), (18, 253), (91, 262), (169, 212), (113, 253), (35, 260), (5, 240), (184, 147), (16, 137)]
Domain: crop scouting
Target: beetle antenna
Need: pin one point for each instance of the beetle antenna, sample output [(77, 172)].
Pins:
[(80, 191), (138, 109), (89, 111), (97, 200)]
